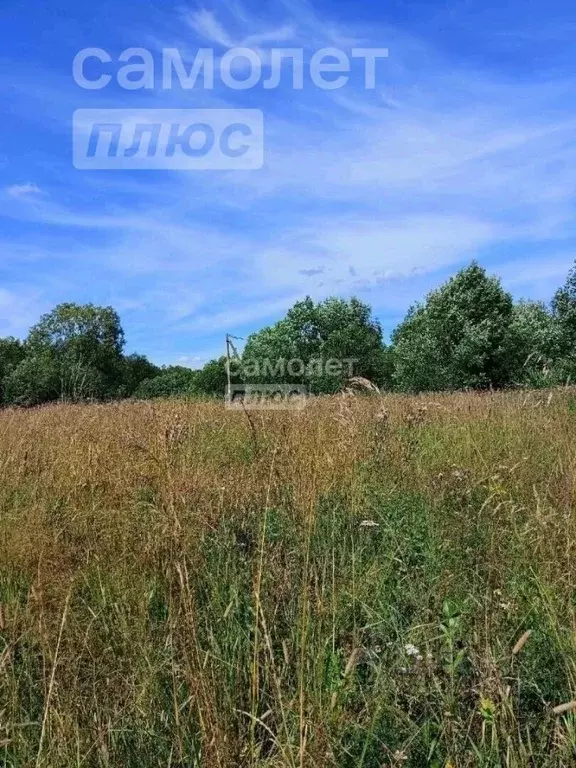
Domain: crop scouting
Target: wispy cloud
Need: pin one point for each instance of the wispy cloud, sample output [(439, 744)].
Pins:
[(206, 25), (23, 190)]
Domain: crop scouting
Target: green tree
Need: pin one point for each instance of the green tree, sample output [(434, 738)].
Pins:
[(11, 355), (211, 380), (564, 311), (536, 344), (35, 380), (85, 343), (459, 338), (173, 381), (319, 345), (418, 363), (136, 369)]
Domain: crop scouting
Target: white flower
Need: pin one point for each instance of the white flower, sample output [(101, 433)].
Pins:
[(411, 650), (369, 524)]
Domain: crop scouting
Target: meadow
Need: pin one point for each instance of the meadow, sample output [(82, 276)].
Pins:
[(371, 581)]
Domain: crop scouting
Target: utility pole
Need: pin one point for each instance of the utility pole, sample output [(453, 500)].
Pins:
[(230, 346), (229, 389)]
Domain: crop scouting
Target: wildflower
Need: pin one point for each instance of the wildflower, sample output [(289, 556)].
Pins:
[(369, 524), (411, 650)]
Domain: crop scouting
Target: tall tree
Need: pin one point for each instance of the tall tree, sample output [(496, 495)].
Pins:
[(136, 369), (211, 380), (564, 310), (319, 345), (459, 338), (11, 355), (85, 342), (536, 344)]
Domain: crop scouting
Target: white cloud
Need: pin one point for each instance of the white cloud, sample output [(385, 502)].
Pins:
[(20, 307), (205, 24), (23, 190)]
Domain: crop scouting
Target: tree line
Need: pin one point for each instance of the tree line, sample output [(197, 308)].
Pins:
[(468, 333)]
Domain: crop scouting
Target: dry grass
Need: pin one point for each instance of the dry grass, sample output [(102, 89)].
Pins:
[(348, 585)]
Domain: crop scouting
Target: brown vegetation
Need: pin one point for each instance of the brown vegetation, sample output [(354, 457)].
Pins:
[(342, 585)]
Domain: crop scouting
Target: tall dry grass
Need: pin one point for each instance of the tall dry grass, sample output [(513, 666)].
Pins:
[(345, 585)]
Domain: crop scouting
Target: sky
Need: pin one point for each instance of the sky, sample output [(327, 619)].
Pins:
[(464, 149)]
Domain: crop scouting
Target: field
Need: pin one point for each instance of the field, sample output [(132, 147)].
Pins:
[(348, 585)]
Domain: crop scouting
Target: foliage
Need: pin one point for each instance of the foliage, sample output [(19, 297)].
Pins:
[(11, 354), (84, 343), (34, 381), (211, 380), (564, 309), (178, 381), (316, 338), (536, 344), (467, 334), (136, 369), (95, 331), (173, 381), (459, 338)]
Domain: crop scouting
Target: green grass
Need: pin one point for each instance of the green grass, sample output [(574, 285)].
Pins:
[(363, 622)]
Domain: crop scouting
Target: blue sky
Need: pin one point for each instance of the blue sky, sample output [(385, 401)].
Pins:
[(465, 149)]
